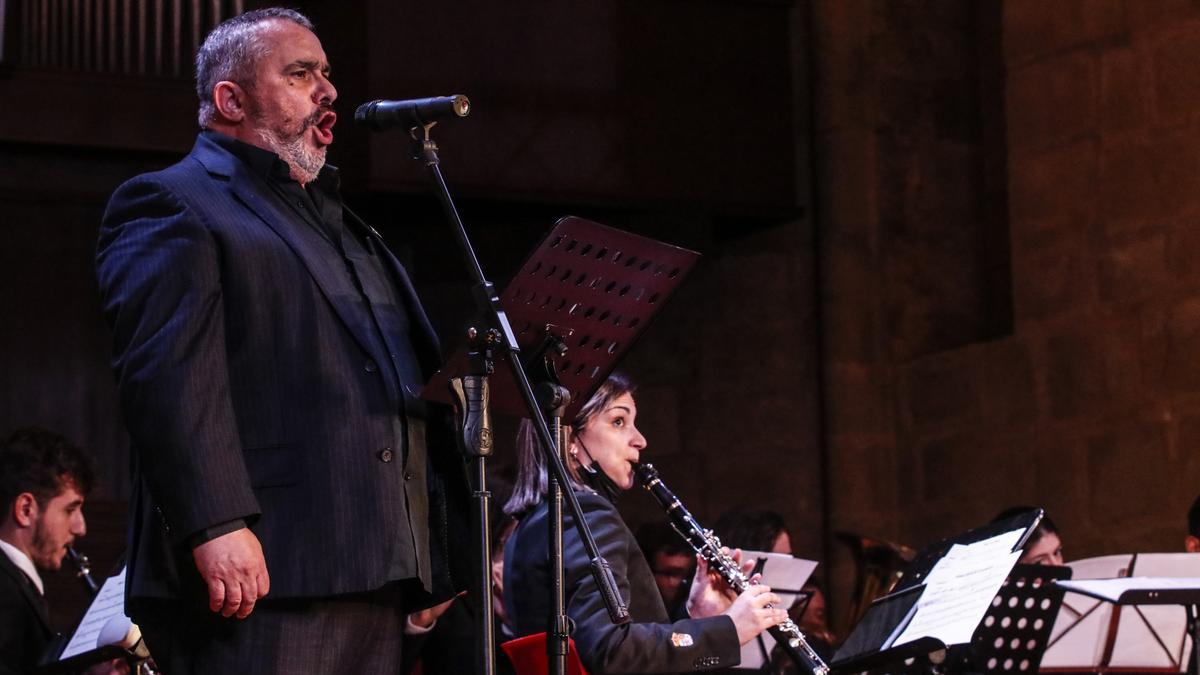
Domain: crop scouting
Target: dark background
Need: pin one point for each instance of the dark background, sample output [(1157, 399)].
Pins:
[(947, 244)]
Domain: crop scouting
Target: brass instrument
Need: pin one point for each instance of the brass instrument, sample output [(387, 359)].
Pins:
[(877, 564), (787, 634)]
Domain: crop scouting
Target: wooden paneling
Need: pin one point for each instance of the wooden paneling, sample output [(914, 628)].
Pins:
[(144, 38)]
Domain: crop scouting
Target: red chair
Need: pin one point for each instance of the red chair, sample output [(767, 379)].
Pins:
[(528, 655)]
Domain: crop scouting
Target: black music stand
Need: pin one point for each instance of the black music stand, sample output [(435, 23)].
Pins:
[(871, 646), (597, 287), (1016, 629)]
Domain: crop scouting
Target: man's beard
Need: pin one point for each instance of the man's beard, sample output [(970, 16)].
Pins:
[(44, 555), (305, 162)]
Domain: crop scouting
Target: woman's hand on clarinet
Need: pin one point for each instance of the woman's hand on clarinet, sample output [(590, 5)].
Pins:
[(709, 595), (751, 615)]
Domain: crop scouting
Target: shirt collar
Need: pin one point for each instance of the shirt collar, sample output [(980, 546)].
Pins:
[(268, 164), (23, 563)]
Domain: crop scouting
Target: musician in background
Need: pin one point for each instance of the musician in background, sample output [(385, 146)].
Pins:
[(43, 482), (754, 529), (673, 563), (765, 530), (1045, 544), (1191, 543), (603, 445)]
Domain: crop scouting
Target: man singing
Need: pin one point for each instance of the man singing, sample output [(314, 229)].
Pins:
[(268, 348)]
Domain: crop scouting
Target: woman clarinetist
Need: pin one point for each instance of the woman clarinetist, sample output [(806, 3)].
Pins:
[(604, 444)]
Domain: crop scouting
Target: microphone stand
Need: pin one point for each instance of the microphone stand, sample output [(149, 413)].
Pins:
[(488, 303), (470, 395)]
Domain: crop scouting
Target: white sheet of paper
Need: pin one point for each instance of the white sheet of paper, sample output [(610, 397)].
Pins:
[(108, 603), (959, 589), (785, 575)]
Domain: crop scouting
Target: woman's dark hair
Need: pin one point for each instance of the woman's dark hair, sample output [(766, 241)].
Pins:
[(1044, 528), (532, 480), (43, 464)]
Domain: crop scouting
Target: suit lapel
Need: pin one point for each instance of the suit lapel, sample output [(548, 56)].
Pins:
[(36, 601), (314, 251)]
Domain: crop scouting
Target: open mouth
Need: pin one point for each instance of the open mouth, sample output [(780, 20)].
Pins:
[(324, 127)]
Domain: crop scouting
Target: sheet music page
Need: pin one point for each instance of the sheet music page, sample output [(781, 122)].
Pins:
[(786, 576), (109, 602), (1111, 589), (960, 587)]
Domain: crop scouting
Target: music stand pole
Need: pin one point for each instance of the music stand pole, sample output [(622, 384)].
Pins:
[(554, 400), (1193, 628), (471, 398), (488, 303)]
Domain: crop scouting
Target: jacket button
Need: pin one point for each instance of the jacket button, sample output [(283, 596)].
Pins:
[(369, 366), (408, 475), (385, 455)]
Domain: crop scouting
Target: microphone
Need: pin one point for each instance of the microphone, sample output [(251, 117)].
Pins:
[(417, 112)]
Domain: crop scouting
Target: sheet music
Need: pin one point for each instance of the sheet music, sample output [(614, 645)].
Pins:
[(786, 576), (108, 603), (960, 587)]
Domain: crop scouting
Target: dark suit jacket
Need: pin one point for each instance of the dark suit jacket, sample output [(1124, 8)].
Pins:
[(649, 644), (24, 622), (251, 389)]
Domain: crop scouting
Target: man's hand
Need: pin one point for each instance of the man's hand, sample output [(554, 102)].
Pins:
[(236, 573), (425, 618)]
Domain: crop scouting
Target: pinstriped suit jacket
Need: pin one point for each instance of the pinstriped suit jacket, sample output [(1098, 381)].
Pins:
[(250, 390)]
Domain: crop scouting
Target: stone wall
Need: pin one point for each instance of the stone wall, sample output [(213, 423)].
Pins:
[(1066, 378)]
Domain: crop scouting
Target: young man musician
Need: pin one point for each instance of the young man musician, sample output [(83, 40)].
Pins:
[(43, 482)]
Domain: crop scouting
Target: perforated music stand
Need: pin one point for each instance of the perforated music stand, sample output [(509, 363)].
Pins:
[(1016, 629), (597, 288)]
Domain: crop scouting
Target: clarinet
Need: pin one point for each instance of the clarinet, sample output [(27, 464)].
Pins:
[(84, 567), (787, 634)]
